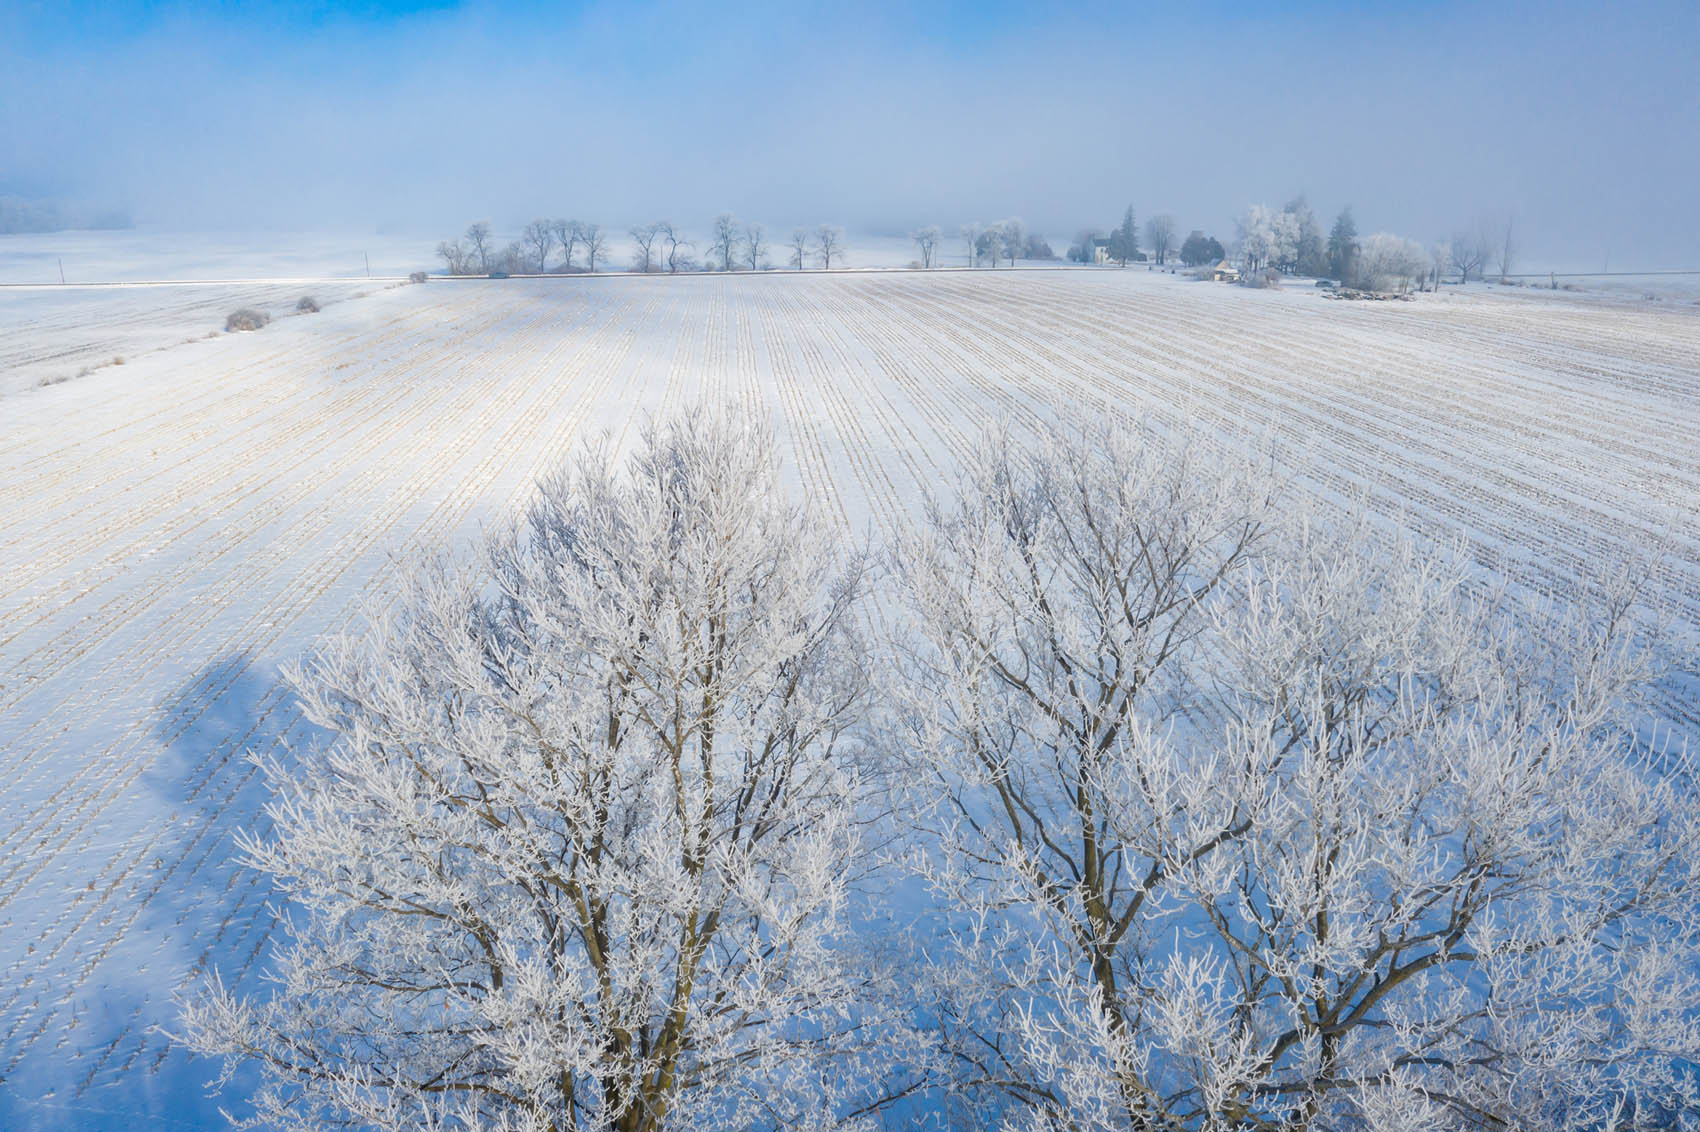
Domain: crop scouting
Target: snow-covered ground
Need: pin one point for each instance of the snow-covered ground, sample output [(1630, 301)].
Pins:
[(174, 528), (1655, 287)]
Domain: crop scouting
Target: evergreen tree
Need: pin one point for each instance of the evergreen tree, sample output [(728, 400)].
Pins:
[(1124, 241), (1342, 246), (1200, 249)]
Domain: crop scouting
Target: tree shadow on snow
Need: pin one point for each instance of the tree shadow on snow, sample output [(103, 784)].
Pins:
[(184, 907)]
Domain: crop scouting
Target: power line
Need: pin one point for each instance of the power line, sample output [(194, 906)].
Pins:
[(1586, 274)]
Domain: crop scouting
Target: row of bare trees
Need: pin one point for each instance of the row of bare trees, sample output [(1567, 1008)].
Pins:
[(983, 244), (661, 246), (476, 254), (1288, 240), (734, 245), (1471, 249)]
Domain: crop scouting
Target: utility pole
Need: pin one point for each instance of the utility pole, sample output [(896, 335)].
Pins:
[(61, 260), (368, 260)]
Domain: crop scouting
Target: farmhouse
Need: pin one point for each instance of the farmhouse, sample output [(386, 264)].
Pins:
[(1225, 272), (1100, 250)]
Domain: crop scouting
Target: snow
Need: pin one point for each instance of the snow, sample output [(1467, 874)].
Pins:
[(174, 528)]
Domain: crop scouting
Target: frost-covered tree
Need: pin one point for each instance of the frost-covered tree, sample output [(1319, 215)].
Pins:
[(829, 244), (755, 245), (454, 256), (570, 233), (579, 849), (1308, 256), (971, 234), (1267, 239), (725, 242), (799, 245), (1440, 259), (511, 259), (1469, 248), (1391, 263), (1246, 825), (1012, 238), (1256, 238), (1160, 234), (643, 238), (676, 250), (1285, 241), (927, 243), (539, 238), (595, 244), (478, 239), (1505, 245)]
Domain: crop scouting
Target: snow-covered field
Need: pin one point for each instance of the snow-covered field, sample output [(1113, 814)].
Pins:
[(172, 529), (115, 303), (55, 334)]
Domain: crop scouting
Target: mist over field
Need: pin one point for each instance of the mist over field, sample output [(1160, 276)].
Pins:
[(1578, 118)]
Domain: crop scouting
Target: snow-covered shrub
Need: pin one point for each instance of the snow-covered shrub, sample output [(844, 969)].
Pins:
[(246, 319), (307, 304), (1245, 822), (417, 277), (1390, 263), (579, 851)]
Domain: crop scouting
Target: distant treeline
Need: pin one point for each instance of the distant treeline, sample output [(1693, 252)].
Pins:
[(20, 215)]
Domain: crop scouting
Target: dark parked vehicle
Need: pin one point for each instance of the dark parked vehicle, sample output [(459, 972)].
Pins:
[(498, 275)]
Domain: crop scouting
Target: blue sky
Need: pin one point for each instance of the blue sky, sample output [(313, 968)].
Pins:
[(1584, 119)]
